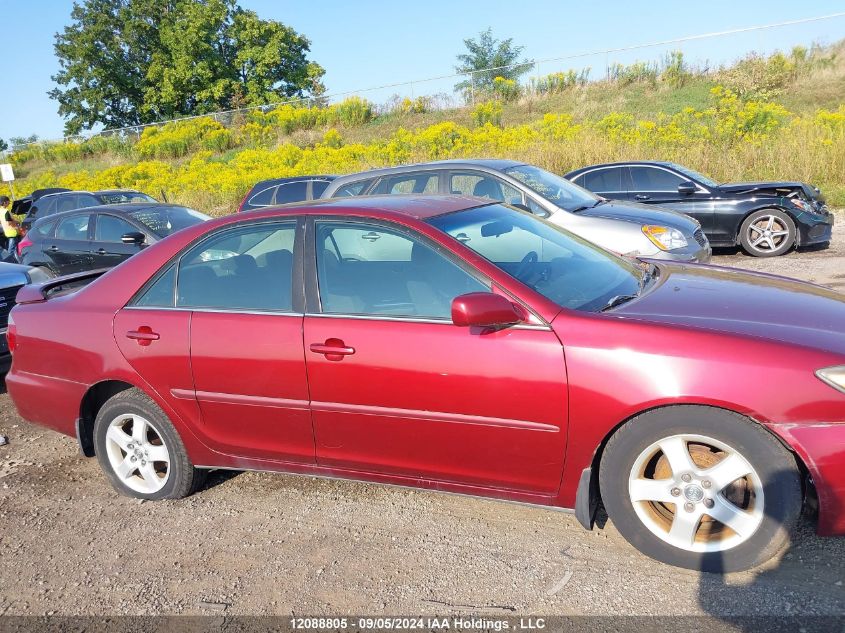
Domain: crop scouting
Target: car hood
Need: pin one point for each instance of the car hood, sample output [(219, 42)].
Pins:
[(745, 303), (643, 214), (774, 188)]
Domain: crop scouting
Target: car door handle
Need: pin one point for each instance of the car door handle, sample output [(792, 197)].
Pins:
[(53, 248), (641, 196), (144, 335), (101, 251), (333, 349)]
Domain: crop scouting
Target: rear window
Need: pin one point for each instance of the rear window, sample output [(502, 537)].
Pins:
[(125, 197), (164, 221)]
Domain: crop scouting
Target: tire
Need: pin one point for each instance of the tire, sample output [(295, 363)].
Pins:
[(131, 466), (669, 521), (767, 233)]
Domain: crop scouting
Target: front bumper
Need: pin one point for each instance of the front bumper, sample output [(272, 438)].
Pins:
[(822, 449), (815, 228), (693, 254)]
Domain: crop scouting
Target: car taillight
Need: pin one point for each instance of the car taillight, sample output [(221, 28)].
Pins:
[(12, 335), (24, 243)]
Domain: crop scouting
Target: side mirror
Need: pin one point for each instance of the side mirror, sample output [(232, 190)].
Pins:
[(135, 237), (484, 309), (687, 188)]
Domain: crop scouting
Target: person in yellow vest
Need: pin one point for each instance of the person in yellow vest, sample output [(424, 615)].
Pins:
[(11, 227)]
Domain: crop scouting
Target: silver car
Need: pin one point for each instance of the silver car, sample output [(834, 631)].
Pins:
[(625, 228)]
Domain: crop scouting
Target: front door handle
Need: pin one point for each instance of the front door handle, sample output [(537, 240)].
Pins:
[(642, 196), (144, 335), (333, 349), (53, 248), (101, 251)]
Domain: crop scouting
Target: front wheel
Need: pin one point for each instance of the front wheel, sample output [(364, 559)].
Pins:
[(767, 233), (140, 451), (700, 488)]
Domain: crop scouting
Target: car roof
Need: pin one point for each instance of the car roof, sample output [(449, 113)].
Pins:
[(104, 191), (416, 206), (117, 209), (496, 164), (279, 181), (623, 163)]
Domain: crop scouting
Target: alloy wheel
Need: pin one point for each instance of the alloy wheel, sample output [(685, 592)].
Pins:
[(696, 493), (137, 453), (767, 233)]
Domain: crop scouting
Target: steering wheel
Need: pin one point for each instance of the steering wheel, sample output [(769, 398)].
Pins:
[(529, 260)]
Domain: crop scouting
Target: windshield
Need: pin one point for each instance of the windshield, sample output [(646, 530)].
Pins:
[(164, 221), (554, 188), (704, 180), (124, 197), (562, 267)]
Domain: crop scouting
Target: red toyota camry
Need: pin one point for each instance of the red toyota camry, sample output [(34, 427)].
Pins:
[(453, 344)]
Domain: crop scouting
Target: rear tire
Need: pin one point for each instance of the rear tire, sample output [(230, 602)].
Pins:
[(767, 233), (140, 451), (701, 488)]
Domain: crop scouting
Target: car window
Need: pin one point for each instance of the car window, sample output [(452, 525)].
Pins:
[(603, 180), (353, 188), (111, 228), (318, 187), (427, 182), (373, 270), (162, 293), (44, 229), (263, 198), (292, 192), (484, 186), (247, 269), (43, 207), (124, 197), (163, 220), (74, 227), (654, 179), (556, 189), (559, 265)]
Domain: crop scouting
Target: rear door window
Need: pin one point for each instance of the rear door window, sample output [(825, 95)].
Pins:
[(292, 192), (603, 180), (483, 185), (74, 227), (419, 183)]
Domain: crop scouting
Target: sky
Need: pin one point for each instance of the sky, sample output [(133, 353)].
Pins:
[(369, 43)]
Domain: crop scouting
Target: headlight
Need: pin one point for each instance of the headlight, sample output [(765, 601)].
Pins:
[(802, 204), (664, 238), (834, 376)]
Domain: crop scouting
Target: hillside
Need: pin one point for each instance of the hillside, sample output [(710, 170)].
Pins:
[(781, 117)]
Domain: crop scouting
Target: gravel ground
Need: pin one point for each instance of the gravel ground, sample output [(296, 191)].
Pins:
[(255, 543)]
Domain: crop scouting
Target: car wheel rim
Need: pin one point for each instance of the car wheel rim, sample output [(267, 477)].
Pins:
[(696, 493), (137, 453), (767, 233)]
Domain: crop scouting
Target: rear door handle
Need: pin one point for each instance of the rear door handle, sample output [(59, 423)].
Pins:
[(101, 251), (333, 349), (641, 196), (53, 248), (144, 335)]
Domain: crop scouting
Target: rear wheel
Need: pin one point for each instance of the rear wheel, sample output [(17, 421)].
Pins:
[(140, 451), (701, 488), (767, 233)]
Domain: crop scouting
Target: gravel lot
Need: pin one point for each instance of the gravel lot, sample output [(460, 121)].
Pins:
[(254, 543)]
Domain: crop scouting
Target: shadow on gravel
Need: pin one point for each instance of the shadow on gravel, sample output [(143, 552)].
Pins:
[(2, 384), (797, 593), (217, 477)]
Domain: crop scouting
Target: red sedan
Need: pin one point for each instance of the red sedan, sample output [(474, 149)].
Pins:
[(457, 345)]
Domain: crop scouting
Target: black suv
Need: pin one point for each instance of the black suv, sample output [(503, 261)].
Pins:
[(765, 218), (53, 203), (102, 236)]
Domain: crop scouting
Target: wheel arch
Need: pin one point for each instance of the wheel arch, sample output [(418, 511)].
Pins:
[(95, 397), (588, 497)]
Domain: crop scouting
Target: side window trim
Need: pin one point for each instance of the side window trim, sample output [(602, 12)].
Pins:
[(258, 193), (313, 305)]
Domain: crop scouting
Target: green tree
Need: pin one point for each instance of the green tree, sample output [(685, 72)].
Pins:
[(129, 62), (487, 56), (3, 145)]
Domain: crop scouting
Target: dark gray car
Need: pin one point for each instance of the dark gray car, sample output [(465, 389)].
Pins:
[(625, 228)]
